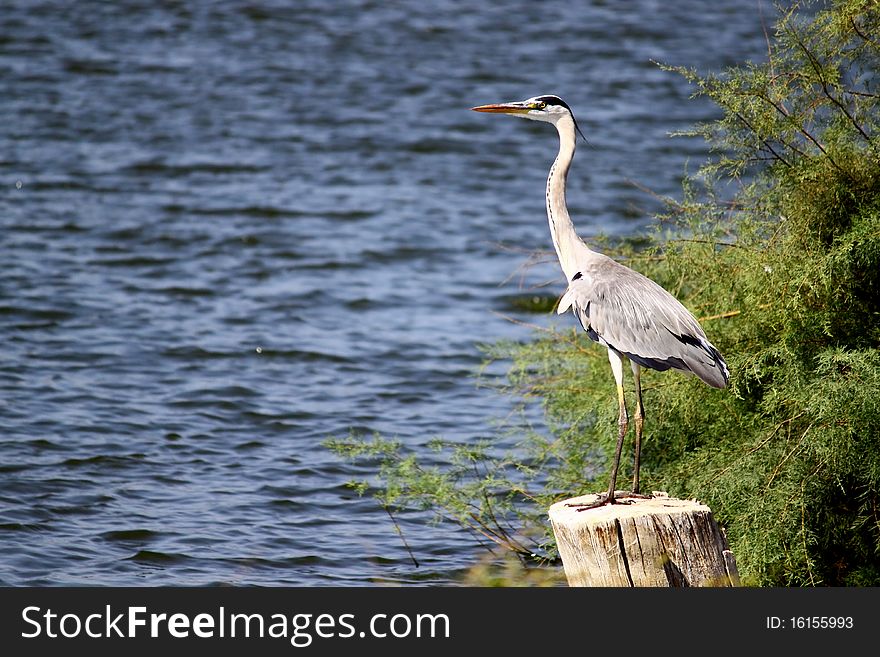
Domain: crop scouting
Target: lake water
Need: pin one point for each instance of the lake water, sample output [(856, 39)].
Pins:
[(232, 230)]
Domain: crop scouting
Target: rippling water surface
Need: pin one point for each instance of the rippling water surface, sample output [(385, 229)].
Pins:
[(231, 230)]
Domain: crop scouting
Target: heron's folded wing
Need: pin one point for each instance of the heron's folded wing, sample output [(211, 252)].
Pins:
[(633, 315)]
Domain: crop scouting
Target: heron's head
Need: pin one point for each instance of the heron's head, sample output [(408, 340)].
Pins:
[(550, 109)]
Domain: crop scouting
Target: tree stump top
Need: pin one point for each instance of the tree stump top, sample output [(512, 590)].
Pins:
[(656, 541), (632, 507)]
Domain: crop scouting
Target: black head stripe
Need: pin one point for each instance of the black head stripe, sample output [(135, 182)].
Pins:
[(556, 100)]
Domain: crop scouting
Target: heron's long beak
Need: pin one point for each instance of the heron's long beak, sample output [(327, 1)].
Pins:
[(503, 108)]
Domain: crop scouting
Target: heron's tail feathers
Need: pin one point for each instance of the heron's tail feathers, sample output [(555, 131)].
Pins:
[(707, 363), (715, 372), (697, 356)]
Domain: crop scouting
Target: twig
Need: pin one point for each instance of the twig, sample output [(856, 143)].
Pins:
[(544, 329), (725, 315), (804, 534), (800, 128), (766, 35), (764, 141), (535, 257), (712, 242), (859, 32), (400, 533), (666, 200), (779, 465), (501, 531), (761, 444), (818, 70)]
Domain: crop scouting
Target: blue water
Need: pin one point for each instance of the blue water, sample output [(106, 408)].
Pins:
[(232, 230)]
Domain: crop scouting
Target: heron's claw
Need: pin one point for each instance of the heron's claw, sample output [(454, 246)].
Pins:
[(619, 497), (601, 500)]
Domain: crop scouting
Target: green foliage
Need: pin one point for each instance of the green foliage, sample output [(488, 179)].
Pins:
[(785, 277), (471, 486)]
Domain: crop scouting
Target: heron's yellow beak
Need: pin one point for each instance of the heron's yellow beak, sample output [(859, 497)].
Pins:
[(503, 108)]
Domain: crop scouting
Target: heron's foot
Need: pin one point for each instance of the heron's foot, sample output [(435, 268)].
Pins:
[(619, 497), (601, 500)]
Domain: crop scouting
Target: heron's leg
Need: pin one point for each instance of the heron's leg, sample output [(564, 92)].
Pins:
[(640, 423), (622, 419), (616, 361)]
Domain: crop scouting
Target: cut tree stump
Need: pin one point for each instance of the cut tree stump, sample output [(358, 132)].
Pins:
[(660, 541)]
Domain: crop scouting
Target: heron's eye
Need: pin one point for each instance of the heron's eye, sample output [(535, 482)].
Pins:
[(540, 105)]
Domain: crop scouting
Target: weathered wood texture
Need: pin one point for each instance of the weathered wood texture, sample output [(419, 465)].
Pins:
[(660, 541)]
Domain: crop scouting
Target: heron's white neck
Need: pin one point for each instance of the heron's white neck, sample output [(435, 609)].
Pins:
[(566, 241)]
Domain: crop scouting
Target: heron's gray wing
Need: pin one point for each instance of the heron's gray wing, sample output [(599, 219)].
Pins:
[(631, 314)]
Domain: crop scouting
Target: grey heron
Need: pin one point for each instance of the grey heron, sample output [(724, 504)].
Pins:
[(631, 315)]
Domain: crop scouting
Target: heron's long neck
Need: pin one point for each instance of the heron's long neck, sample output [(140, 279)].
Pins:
[(565, 239)]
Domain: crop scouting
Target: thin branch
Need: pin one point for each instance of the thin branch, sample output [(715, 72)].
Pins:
[(725, 315), (766, 35), (866, 94), (804, 533), (760, 445), (764, 141), (666, 200), (511, 541), (712, 242), (399, 531), (794, 449), (535, 257), (800, 128), (556, 334), (503, 540), (817, 68), (865, 37)]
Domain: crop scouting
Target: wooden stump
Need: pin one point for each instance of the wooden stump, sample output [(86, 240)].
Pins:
[(661, 541)]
